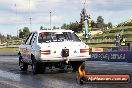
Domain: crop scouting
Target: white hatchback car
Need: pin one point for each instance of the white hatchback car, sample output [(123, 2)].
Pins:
[(48, 48)]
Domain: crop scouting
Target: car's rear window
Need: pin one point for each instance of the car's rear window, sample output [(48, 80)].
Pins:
[(57, 37)]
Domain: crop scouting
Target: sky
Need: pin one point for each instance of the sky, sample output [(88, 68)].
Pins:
[(15, 14)]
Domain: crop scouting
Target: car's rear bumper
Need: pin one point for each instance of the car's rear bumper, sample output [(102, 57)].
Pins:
[(57, 59)]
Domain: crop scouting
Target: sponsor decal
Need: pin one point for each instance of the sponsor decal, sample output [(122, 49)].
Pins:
[(107, 78), (83, 77)]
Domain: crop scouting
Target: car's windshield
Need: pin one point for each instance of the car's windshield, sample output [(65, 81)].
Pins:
[(57, 37)]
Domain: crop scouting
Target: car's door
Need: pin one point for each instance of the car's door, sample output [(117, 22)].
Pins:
[(27, 48), (30, 47), (34, 44)]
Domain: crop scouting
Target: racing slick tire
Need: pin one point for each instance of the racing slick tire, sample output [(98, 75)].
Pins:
[(38, 68)]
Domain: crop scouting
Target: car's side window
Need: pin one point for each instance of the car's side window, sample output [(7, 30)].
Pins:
[(28, 39), (44, 37), (75, 37)]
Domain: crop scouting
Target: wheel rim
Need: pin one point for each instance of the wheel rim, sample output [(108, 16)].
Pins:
[(21, 65)]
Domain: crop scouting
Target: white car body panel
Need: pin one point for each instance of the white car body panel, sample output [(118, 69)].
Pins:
[(55, 49)]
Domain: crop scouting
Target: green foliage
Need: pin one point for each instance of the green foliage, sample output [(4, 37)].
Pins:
[(95, 26), (127, 32), (41, 27), (82, 19), (24, 33), (83, 12), (128, 24), (128, 39), (100, 22), (65, 26), (110, 35), (2, 38), (15, 38), (109, 25), (20, 34), (74, 26), (54, 27), (8, 37)]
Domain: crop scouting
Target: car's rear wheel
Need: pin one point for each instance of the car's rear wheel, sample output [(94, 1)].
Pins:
[(35, 67), (38, 67)]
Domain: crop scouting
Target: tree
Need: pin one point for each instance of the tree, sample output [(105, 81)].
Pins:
[(109, 25), (54, 27), (8, 37), (14, 38), (74, 27), (41, 27), (20, 34), (65, 26), (100, 22), (26, 32), (93, 24), (3, 38), (83, 12), (82, 19)]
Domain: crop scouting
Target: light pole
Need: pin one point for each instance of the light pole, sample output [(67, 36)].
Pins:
[(16, 19), (30, 18), (84, 2), (50, 20)]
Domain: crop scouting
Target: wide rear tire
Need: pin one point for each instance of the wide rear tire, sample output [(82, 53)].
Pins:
[(38, 68)]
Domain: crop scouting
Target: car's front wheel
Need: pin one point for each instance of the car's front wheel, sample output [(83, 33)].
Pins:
[(23, 66)]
